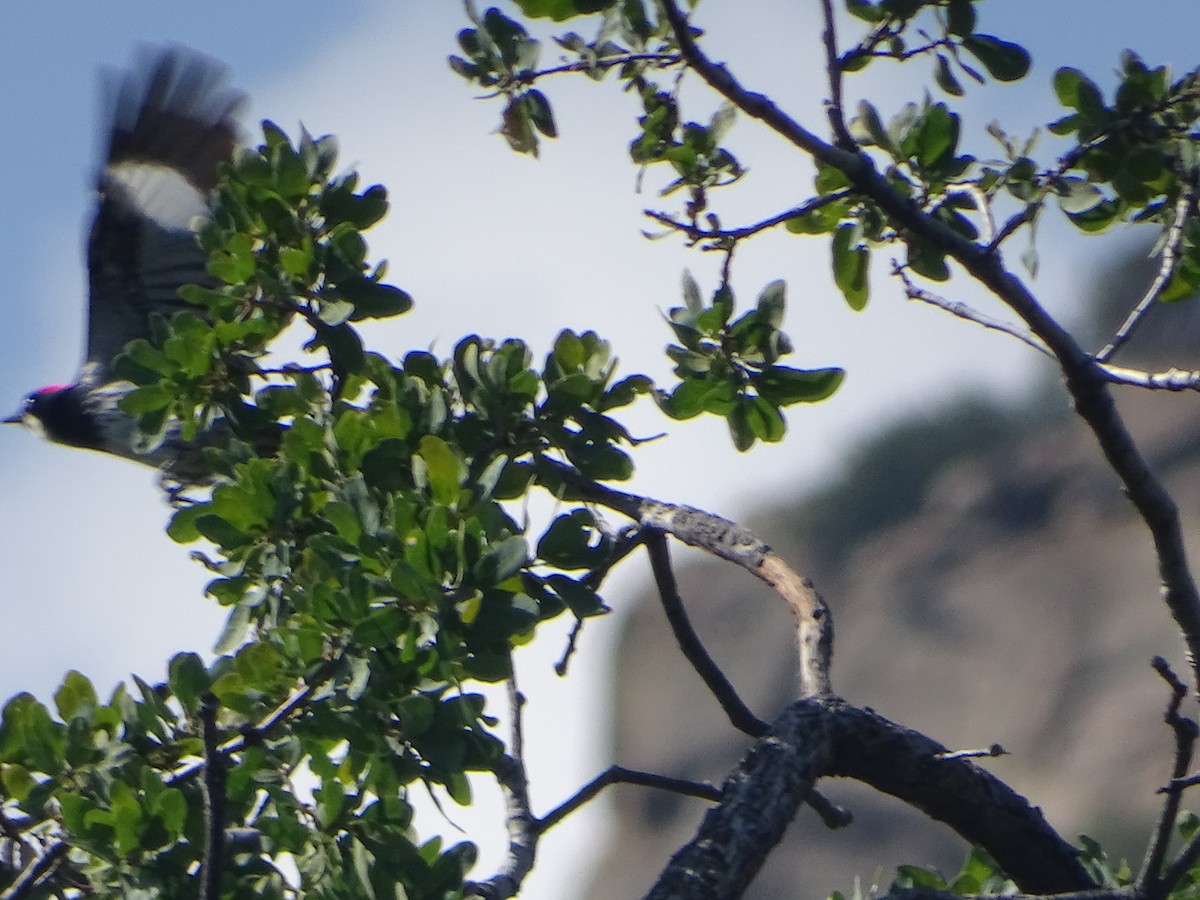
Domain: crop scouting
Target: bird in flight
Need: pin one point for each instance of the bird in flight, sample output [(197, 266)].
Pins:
[(172, 123)]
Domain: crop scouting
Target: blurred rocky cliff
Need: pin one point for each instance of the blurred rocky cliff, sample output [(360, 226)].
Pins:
[(989, 583)]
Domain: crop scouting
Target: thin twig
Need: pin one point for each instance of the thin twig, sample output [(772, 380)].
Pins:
[(212, 788), (622, 542), (740, 715), (963, 311), (620, 775), (719, 238), (661, 60), (833, 71), (1168, 380), (1151, 878), (295, 700), (560, 667), (523, 827), (832, 815), (1166, 269)]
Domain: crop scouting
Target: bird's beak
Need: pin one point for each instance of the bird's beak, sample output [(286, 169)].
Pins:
[(15, 419)]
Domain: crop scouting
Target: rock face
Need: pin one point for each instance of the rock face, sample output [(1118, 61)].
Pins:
[(989, 584)]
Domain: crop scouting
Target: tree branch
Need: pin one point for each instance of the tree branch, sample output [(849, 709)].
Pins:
[(960, 309), (621, 775), (824, 736), (720, 238), (298, 697), (833, 71), (758, 800), (1166, 268), (740, 715), (212, 788), (733, 543), (1185, 732), (41, 866), (1085, 382)]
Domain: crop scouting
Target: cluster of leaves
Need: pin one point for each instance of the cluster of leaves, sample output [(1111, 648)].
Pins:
[(285, 241), (730, 368), (1135, 158), (979, 876), (368, 561), (947, 32)]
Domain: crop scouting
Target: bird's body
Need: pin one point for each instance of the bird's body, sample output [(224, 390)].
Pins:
[(172, 125)]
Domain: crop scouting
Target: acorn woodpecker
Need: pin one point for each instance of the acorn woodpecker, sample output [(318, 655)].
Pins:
[(171, 124)]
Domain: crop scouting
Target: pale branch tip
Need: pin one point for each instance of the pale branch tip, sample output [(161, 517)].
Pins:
[(1169, 262)]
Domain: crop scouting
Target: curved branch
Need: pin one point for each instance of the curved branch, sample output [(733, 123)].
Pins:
[(523, 828), (740, 715), (1184, 730), (980, 807), (1169, 262), (733, 543)]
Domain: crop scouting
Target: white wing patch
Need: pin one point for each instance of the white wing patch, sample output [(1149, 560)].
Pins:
[(161, 194)]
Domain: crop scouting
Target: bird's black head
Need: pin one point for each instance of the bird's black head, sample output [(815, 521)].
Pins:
[(61, 414)]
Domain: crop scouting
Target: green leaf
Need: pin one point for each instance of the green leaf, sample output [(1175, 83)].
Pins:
[(540, 113), (945, 77), (937, 136), (1097, 218), (189, 679), (578, 597), (784, 386), (561, 10), (1076, 195), (504, 560), (960, 17), (567, 543), (851, 267), (1004, 60), (127, 818), (772, 302), (148, 399), (1075, 90), (75, 697), (443, 469)]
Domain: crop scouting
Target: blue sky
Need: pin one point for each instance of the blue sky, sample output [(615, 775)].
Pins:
[(486, 242)]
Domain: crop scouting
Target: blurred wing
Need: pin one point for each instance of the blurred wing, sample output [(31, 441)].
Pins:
[(172, 126)]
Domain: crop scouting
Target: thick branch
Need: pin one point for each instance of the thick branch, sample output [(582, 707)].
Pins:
[(979, 807), (820, 737), (758, 800)]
